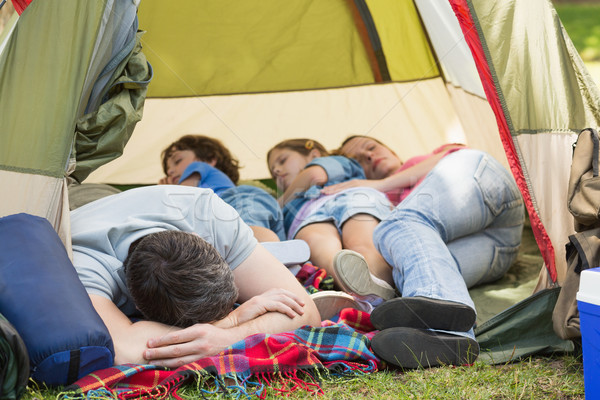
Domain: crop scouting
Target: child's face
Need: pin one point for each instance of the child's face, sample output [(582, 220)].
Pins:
[(285, 165), (377, 160), (177, 163)]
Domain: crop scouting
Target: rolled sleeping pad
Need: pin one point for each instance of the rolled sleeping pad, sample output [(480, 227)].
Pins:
[(43, 298)]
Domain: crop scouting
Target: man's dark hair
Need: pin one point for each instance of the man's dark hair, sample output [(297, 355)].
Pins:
[(179, 279)]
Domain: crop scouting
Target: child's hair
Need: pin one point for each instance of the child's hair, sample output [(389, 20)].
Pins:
[(349, 138), (206, 149), (302, 146)]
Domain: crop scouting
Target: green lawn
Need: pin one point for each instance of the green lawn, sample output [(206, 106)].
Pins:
[(582, 22), (559, 377)]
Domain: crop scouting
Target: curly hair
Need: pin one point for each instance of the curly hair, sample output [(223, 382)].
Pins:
[(179, 279), (206, 149)]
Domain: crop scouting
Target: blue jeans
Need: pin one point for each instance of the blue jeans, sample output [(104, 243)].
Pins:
[(460, 227), (256, 207)]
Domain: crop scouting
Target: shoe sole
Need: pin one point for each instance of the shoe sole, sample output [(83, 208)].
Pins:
[(353, 274), (289, 252), (423, 313), (331, 302), (412, 348)]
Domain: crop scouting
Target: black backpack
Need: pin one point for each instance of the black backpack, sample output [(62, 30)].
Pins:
[(14, 362)]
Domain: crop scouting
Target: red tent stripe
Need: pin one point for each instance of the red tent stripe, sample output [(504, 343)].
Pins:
[(471, 34), (20, 5)]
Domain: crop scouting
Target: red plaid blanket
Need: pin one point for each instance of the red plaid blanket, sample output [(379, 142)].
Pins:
[(285, 362)]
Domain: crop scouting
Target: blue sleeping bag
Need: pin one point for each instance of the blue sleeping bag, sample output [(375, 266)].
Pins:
[(42, 297)]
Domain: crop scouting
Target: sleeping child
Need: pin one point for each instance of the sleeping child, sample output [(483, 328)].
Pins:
[(330, 223), (201, 161)]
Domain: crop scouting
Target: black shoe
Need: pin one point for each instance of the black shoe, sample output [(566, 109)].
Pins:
[(412, 348), (424, 313)]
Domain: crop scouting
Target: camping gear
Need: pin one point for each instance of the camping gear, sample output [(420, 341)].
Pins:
[(44, 300), (287, 361), (583, 252), (522, 330), (588, 301), (14, 362), (584, 182), (583, 248)]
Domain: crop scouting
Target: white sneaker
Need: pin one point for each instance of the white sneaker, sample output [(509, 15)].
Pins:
[(289, 252), (331, 302), (354, 277)]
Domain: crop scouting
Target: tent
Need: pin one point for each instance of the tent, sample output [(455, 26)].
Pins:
[(502, 76)]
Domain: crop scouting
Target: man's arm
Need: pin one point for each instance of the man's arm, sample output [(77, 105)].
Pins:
[(129, 339), (146, 341), (254, 276)]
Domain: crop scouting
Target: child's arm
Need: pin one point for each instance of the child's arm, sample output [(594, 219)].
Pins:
[(402, 179), (310, 176)]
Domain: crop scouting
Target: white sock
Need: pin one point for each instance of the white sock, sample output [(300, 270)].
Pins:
[(381, 282), (371, 299)]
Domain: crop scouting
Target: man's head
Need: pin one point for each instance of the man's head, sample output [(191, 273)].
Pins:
[(179, 279)]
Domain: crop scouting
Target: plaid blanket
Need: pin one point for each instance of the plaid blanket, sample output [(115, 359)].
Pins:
[(314, 279), (285, 362)]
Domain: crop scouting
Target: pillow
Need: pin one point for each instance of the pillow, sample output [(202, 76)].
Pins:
[(43, 298)]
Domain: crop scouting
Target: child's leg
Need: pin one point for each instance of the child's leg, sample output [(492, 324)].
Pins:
[(357, 235), (324, 242)]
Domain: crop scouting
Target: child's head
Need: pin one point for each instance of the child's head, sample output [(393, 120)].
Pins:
[(190, 148), (286, 159), (179, 279)]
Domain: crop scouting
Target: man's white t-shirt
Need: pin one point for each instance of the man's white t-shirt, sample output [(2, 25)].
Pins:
[(103, 230)]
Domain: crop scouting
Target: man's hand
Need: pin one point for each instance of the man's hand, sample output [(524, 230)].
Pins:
[(183, 346), (273, 300)]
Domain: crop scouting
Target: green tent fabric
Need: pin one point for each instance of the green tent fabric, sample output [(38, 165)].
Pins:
[(72, 87), (502, 76), (522, 330), (102, 134), (14, 362)]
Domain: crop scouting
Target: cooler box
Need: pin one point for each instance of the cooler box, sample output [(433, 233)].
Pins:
[(588, 303)]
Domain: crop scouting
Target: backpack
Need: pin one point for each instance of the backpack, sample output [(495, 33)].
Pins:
[(583, 249), (14, 362)]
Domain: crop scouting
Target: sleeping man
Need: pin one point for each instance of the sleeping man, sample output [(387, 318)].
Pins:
[(163, 266)]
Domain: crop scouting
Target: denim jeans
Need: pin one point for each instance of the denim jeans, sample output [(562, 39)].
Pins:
[(256, 207), (460, 227)]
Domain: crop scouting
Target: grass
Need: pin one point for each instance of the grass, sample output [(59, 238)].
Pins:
[(558, 377), (581, 22)]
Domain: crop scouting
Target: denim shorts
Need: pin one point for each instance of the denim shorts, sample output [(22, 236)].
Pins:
[(256, 207), (340, 207)]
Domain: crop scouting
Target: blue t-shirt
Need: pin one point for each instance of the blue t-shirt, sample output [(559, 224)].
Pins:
[(210, 177), (338, 169)]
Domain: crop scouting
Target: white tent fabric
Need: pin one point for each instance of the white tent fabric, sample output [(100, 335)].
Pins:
[(412, 117), (449, 44)]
